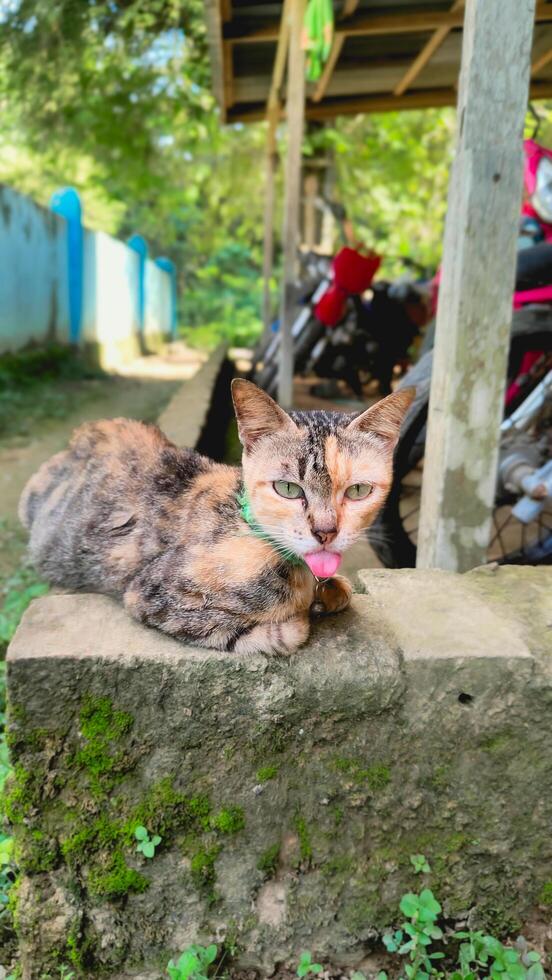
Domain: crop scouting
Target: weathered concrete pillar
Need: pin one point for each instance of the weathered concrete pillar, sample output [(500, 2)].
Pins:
[(288, 794)]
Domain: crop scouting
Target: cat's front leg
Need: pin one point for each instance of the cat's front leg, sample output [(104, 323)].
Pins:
[(187, 618), (332, 596), (278, 638)]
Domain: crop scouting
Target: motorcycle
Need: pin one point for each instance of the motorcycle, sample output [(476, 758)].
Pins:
[(374, 337), (522, 515), (336, 335)]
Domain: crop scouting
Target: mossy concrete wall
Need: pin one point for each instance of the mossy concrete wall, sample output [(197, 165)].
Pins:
[(289, 794)]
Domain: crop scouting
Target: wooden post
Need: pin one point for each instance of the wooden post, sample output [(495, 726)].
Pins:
[(475, 301), (268, 246), (295, 108), (310, 188)]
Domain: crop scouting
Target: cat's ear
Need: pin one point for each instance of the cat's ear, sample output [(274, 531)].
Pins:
[(386, 416), (257, 413)]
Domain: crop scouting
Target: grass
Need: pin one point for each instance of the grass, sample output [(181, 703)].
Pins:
[(18, 591), (39, 384)]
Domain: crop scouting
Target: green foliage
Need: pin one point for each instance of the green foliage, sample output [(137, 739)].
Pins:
[(146, 844), (18, 592), (193, 963), (38, 384), (480, 955), (6, 873), (419, 863), (477, 956), (306, 966)]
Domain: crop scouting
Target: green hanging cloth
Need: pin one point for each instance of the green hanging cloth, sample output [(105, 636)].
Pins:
[(317, 36)]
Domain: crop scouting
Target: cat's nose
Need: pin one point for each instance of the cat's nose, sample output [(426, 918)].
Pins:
[(324, 534)]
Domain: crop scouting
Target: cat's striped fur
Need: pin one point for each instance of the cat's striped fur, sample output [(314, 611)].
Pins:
[(124, 512)]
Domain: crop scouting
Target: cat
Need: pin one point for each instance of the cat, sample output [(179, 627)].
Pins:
[(211, 554)]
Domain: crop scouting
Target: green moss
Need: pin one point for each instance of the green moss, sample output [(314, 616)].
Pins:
[(199, 808), (39, 854), (268, 861), (102, 833), (23, 792), (101, 725), (337, 813), (266, 773), (229, 820), (27, 740), (376, 776), (116, 879), (341, 864), (305, 846), (75, 950), (203, 872), (163, 811), (344, 765), (98, 719), (545, 896), (267, 743), (16, 712), (440, 777), (359, 914), (497, 743)]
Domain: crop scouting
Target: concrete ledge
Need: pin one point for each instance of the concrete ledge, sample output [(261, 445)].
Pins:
[(185, 415), (289, 794)]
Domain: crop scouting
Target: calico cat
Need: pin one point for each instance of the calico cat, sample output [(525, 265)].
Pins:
[(212, 554)]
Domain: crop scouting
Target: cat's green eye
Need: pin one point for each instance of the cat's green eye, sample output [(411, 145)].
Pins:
[(358, 491), (292, 491)]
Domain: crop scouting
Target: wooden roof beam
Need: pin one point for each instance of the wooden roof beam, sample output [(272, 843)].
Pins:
[(273, 105), (541, 62), (367, 25), (420, 99), (426, 53)]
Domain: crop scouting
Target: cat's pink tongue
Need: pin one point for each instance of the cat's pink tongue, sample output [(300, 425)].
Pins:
[(323, 563)]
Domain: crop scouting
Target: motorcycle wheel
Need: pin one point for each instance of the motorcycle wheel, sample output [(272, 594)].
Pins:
[(393, 536)]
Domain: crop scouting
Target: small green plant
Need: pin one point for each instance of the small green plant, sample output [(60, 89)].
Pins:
[(66, 974), (481, 955), (478, 956), (415, 936), (306, 965), (419, 863), (146, 844), (193, 963)]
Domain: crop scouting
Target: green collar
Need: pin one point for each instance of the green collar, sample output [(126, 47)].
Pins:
[(247, 514)]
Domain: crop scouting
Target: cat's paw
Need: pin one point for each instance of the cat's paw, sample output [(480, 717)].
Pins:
[(277, 638), (332, 596)]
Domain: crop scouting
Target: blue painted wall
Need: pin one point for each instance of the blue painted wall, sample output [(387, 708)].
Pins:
[(61, 281), (34, 295)]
